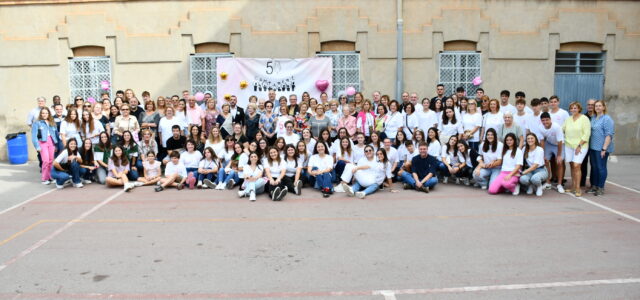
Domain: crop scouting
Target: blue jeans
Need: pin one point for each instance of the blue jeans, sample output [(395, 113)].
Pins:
[(224, 178), (75, 173), (474, 145), (367, 190), (407, 178), (133, 174), (321, 181), (535, 178), (487, 176), (443, 171), (210, 176), (599, 167), (256, 186), (339, 168)]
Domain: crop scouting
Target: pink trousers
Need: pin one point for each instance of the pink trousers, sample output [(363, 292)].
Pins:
[(47, 150), (499, 184)]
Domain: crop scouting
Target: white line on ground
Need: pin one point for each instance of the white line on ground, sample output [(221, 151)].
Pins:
[(606, 208), (27, 201), (511, 286), (388, 295), (624, 187), (60, 230)]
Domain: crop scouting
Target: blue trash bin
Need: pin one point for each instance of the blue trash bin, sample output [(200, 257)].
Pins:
[(17, 148)]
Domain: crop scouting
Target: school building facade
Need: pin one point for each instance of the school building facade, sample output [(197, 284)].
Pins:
[(575, 49)]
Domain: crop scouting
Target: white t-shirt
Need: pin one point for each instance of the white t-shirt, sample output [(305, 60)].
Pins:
[(410, 123), (225, 156), (522, 121), (509, 163), (242, 162), (164, 127), (471, 121), (292, 139), (206, 164), (97, 129), (392, 155), (553, 135), (172, 168), (250, 172), (508, 108), (63, 157), (536, 157), (409, 156), (490, 156), (70, 131), (275, 167), (371, 175), (450, 158), (369, 121), (344, 155), (391, 124), (534, 126), (310, 146), (320, 162), (281, 130), (426, 120), (191, 160), (293, 165), (217, 147), (559, 116), (435, 149), (492, 121), (357, 152), (450, 129)]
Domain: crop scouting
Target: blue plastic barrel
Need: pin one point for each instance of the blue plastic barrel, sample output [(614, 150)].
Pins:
[(17, 149)]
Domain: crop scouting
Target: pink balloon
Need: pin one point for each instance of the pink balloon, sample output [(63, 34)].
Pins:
[(105, 85), (477, 81), (91, 100), (199, 96), (351, 91), (322, 85)]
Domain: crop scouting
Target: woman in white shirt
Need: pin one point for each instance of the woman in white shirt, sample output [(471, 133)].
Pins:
[(215, 141), (275, 171), (253, 178), (191, 160), (294, 164), (451, 160), (369, 174), (409, 120), (489, 160), (492, 119), (70, 128), (304, 155), (466, 169), (449, 126), (227, 174), (509, 177), (471, 123), (207, 169), (393, 121), (535, 174), (435, 148), (90, 127), (320, 167)]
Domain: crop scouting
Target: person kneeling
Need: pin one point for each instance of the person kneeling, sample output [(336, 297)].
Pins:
[(175, 174), (369, 173), (423, 169)]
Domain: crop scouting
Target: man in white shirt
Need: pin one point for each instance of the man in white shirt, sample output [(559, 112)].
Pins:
[(521, 117), (35, 113), (533, 122), (376, 96), (558, 115), (426, 117), (521, 96), (553, 145), (505, 106)]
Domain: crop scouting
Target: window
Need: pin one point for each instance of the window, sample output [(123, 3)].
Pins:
[(203, 72), (580, 62), (85, 75), (346, 70), (458, 68)]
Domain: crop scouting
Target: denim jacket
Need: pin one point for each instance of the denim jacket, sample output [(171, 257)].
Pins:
[(45, 130)]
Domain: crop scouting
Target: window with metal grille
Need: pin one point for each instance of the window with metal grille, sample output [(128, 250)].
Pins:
[(346, 70), (580, 62), (457, 69), (85, 75), (203, 72)]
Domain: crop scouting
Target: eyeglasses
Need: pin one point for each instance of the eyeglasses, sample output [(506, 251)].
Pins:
[(367, 151), (88, 105)]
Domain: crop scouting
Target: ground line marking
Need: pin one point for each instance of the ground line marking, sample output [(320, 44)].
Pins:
[(26, 201), (624, 187), (619, 213), (60, 230)]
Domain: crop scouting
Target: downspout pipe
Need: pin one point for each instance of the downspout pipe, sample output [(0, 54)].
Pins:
[(400, 47)]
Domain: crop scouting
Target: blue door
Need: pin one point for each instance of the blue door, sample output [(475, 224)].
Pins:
[(579, 76)]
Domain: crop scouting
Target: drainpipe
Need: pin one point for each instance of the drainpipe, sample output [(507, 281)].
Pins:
[(400, 46)]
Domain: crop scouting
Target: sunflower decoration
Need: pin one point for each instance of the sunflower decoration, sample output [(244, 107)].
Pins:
[(243, 84), (223, 75)]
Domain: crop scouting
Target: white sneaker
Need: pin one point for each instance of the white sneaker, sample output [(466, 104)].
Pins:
[(138, 183), (86, 181), (199, 185), (347, 189), (360, 195), (546, 186), (241, 193), (539, 191), (445, 180), (560, 189), (59, 186), (158, 183), (252, 196), (78, 185), (46, 182), (516, 191), (220, 187), (484, 187), (339, 189), (530, 189), (128, 186)]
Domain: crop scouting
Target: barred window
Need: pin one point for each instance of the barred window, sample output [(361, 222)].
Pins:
[(85, 75), (458, 68), (580, 62), (346, 70), (203, 72)]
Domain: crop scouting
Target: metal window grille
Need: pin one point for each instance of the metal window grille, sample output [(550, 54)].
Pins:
[(346, 70), (580, 62), (457, 69), (203, 72), (85, 75)]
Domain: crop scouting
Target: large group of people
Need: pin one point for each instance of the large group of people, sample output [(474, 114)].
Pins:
[(352, 144)]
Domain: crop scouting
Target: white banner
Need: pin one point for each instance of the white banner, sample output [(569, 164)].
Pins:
[(245, 77)]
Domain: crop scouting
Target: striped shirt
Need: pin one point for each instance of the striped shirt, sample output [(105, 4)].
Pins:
[(601, 127)]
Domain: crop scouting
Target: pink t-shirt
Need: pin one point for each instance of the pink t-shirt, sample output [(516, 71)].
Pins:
[(151, 170)]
